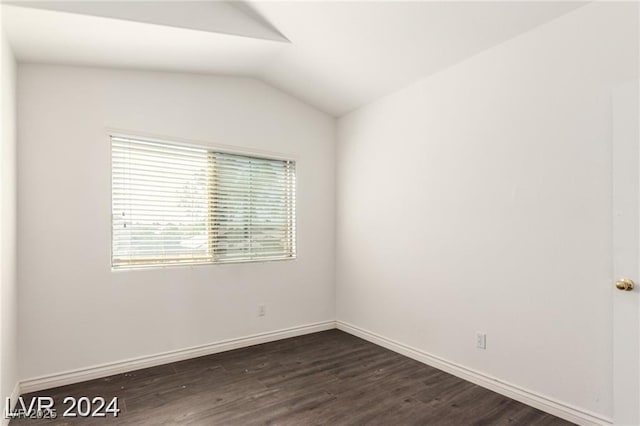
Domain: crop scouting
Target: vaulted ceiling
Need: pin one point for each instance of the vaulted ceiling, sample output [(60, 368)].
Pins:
[(336, 56)]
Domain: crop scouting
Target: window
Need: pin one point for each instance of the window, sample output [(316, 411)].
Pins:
[(174, 204)]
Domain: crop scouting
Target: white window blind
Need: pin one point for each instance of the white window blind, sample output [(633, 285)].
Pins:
[(174, 204)]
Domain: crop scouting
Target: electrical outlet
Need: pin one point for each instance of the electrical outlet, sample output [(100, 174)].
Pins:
[(262, 310), (481, 341)]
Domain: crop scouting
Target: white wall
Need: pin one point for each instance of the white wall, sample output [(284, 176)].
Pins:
[(8, 281), (73, 310), (479, 199)]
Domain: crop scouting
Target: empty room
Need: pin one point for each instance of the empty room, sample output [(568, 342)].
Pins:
[(320, 213)]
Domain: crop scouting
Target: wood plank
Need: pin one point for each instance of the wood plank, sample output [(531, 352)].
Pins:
[(329, 377)]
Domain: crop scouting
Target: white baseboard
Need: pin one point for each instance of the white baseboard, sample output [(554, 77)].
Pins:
[(14, 395), (541, 402), (119, 367), (14, 400)]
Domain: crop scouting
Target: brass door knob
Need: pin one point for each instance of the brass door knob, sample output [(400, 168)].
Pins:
[(625, 284)]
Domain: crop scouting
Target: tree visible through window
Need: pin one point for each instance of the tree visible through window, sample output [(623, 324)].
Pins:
[(174, 204)]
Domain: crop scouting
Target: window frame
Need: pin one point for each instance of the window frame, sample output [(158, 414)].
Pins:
[(204, 260)]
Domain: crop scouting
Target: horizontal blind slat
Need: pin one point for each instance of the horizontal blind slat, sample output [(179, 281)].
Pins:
[(180, 205)]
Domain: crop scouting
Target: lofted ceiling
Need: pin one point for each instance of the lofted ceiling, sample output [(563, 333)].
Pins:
[(336, 56)]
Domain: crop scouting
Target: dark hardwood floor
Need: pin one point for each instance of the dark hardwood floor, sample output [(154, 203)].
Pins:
[(327, 378)]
